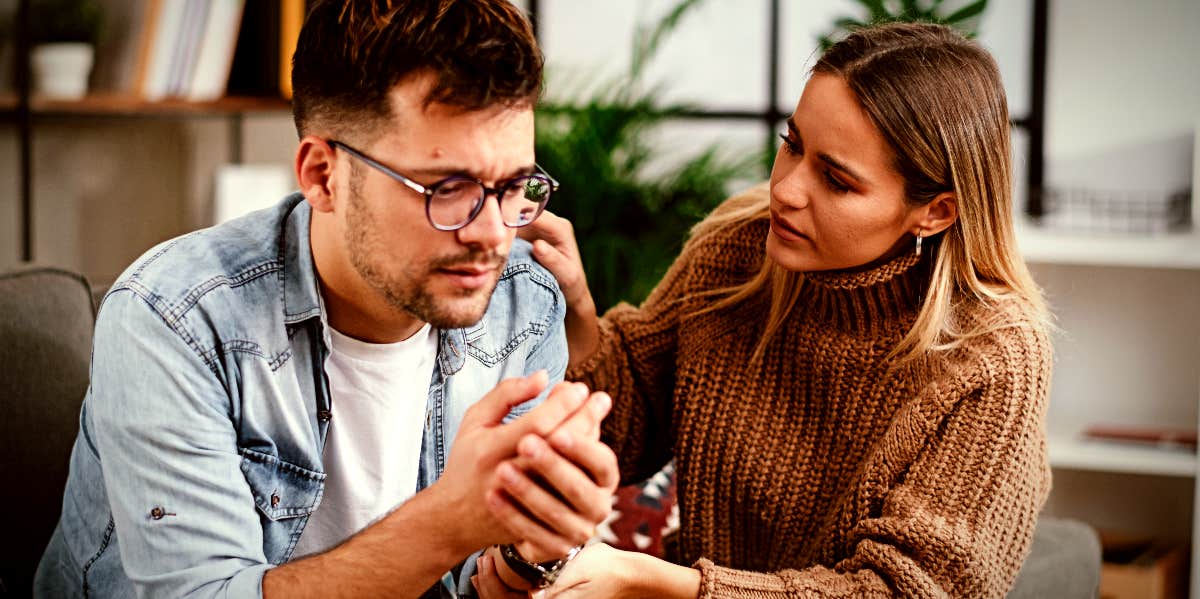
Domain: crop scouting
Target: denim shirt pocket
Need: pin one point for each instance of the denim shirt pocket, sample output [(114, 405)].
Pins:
[(285, 495)]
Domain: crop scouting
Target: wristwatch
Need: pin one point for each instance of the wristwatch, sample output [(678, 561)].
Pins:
[(540, 575)]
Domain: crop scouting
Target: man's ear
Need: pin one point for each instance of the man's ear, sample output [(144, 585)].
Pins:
[(314, 172), (937, 215)]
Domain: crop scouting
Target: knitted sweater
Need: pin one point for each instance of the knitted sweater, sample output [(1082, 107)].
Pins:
[(819, 473)]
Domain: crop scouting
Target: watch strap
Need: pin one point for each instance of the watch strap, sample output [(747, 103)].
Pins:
[(538, 574)]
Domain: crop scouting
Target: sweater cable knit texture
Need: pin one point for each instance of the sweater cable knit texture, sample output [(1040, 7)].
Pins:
[(819, 471)]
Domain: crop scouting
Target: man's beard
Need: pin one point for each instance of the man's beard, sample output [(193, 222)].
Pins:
[(408, 288)]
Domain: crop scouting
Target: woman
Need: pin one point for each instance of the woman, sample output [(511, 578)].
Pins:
[(849, 366)]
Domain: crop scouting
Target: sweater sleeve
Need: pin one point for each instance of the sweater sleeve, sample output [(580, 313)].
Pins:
[(635, 364), (638, 355), (960, 521)]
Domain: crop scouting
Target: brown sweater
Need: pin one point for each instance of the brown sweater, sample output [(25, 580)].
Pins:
[(818, 473)]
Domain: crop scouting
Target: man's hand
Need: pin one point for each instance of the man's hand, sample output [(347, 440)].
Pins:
[(479, 477), (566, 483)]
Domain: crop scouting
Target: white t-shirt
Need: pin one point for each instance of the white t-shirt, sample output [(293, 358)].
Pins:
[(373, 447)]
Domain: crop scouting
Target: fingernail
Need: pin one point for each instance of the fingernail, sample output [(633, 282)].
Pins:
[(603, 401), (530, 447)]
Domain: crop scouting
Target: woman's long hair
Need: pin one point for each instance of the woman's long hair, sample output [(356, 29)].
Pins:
[(938, 100)]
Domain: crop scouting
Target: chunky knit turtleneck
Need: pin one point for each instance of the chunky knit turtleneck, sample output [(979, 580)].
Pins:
[(817, 471)]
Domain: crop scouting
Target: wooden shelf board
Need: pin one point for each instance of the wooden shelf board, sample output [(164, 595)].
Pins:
[(122, 104), (1176, 250), (1072, 453)]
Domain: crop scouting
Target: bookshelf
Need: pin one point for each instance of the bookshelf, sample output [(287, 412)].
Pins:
[(1072, 453), (1150, 284), (115, 104), (241, 47)]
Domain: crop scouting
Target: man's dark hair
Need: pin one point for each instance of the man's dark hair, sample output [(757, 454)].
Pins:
[(351, 53)]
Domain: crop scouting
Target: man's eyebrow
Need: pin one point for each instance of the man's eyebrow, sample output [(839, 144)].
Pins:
[(439, 173)]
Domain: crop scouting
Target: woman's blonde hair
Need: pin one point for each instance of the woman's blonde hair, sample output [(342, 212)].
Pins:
[(938, 100)]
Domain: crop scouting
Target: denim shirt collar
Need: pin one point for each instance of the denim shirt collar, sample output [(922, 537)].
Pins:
[(302, 295), (301, 292)]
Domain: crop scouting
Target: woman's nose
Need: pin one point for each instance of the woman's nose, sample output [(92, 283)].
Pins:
[(790, 188)]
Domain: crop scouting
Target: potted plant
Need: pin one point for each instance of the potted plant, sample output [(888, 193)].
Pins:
[(63, 35), (630, 220), (963, 16)]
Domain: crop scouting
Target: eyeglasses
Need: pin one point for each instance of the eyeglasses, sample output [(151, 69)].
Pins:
[(453, 202)]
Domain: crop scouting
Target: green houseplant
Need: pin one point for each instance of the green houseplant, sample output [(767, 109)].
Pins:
[(962, 18), (630, 225), (63, 34)]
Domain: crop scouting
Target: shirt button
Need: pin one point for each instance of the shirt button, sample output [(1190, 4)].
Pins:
[(157, 513), (274, 500), (324, 415)]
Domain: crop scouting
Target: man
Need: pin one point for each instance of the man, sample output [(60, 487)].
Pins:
[(265, 393)]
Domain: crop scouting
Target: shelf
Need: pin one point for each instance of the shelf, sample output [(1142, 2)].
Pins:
[(126, 105), (1071, 453), (1176, 250)]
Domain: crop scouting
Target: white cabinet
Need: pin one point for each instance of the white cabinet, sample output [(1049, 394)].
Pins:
[(1127, 353)]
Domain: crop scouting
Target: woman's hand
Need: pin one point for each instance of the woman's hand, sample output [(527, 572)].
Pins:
[(601, 572), (487, 581), (554, 246)]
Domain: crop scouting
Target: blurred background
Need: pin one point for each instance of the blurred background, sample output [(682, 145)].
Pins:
[(654, 111)]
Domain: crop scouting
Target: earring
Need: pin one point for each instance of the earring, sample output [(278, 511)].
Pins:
[(919, 243)]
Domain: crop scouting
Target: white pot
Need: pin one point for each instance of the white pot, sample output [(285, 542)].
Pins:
[(61, 70)]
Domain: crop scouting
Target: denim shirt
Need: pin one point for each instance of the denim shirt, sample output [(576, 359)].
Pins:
[(198, 460)]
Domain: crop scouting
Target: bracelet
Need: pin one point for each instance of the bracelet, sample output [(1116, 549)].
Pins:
[(540, 575)]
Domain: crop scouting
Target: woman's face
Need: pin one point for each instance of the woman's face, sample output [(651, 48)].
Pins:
[(836, 201)]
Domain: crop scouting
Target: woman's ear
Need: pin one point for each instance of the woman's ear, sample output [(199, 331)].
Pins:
[(937, 215), (314, 172)]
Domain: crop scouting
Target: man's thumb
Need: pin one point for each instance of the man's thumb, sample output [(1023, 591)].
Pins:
[(510, 393)]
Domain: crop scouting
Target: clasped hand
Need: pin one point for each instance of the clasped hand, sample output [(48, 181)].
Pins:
[(543, 481)]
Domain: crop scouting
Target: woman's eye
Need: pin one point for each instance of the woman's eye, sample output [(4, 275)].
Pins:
[(835, 184), (788, 145)]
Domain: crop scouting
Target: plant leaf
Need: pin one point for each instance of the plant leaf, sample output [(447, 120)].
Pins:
[(971, 10), (646, 44)]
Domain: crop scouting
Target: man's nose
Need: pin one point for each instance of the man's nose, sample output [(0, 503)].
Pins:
[(487, 231)]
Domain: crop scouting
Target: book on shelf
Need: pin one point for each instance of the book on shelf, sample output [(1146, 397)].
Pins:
[(262, 64), (291, 19), (201, 50), (1143, 435), (215, 58)]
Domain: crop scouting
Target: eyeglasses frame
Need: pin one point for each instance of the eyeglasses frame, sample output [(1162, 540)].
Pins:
[(429, 190)]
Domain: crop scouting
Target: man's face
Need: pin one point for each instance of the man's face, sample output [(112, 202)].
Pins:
[(442, 277)]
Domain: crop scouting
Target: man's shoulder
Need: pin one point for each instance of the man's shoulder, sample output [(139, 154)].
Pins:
[(529, 276), (179, 273)]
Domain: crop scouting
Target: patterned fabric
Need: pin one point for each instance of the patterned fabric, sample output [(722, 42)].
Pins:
[(643, 514)]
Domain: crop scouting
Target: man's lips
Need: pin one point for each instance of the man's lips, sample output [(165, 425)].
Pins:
[(785, 230), (469, 276)]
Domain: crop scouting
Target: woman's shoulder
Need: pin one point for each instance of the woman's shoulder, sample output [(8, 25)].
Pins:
[(1006, 340)]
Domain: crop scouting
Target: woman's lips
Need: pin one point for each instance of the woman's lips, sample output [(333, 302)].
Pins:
[(785, 231)]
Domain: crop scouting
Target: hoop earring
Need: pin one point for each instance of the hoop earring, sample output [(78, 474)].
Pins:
[(919, 244)]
